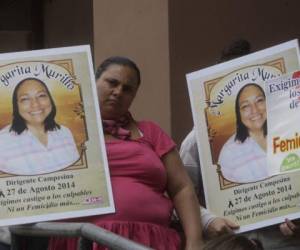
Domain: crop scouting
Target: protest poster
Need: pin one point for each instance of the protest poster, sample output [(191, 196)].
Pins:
[(52, 154), (283, 103), (232, 142)]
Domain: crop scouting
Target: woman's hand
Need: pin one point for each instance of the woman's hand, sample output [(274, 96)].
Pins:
[(288, 228), (182, 193), (220, 226)]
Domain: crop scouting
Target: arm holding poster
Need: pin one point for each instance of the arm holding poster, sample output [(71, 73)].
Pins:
[(211, 224), (185, 202)]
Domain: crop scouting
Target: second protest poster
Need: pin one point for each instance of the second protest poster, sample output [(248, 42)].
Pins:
[(230, 117)]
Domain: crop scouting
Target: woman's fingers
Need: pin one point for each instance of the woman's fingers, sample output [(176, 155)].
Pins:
[(288, 228)]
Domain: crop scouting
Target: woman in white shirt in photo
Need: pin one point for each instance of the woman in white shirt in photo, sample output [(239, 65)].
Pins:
[(243, 156), (34, 143)]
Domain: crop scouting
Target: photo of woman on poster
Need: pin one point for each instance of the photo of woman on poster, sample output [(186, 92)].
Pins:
[(243, 157), (34, 143)]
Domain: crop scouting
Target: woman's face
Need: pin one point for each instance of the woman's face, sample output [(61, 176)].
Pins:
[(252, 105), (34, 103), (116, 87)]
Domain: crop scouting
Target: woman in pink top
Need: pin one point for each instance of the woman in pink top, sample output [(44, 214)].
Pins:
[(147, 175)]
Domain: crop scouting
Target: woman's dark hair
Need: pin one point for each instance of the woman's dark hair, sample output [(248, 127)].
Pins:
[(236, 48), (118, 60), (18, 123), (241, 130), (232, 242)]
